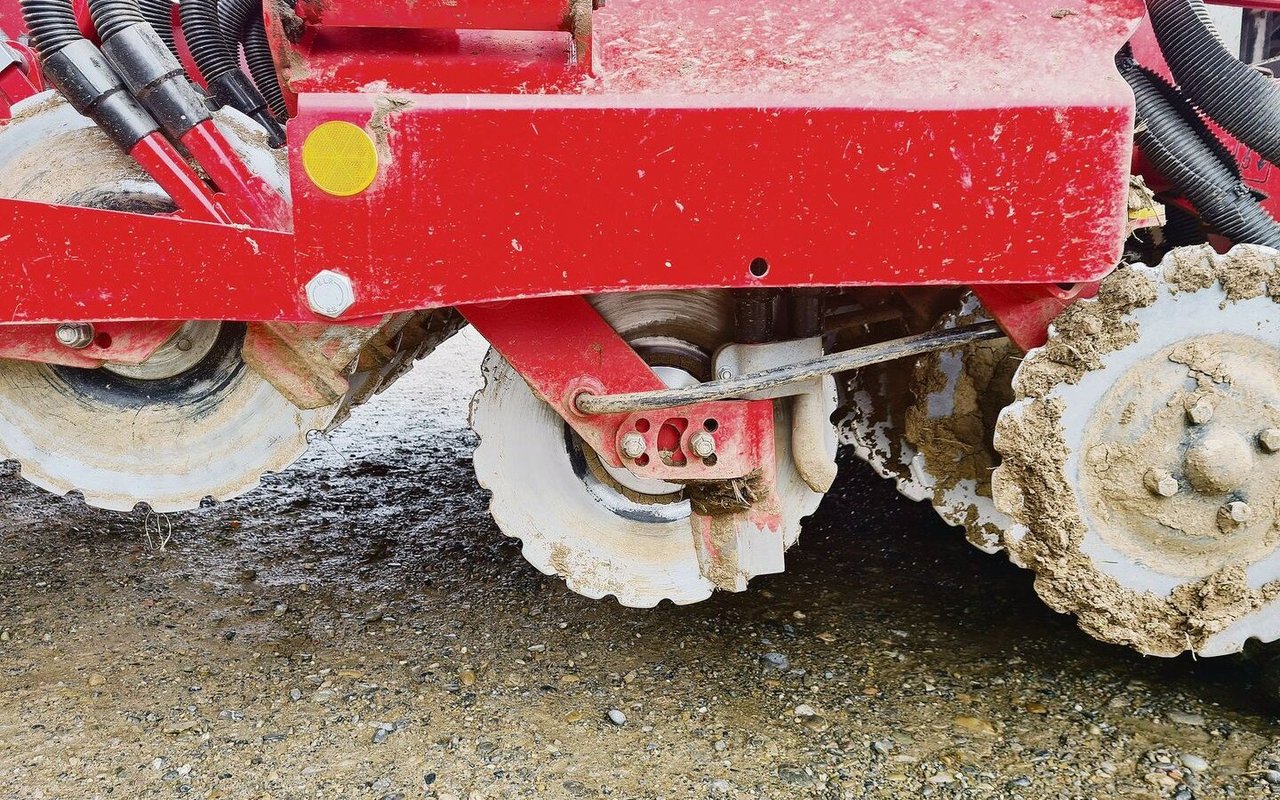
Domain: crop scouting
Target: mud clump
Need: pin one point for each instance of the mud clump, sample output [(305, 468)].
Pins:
[(959, 395)]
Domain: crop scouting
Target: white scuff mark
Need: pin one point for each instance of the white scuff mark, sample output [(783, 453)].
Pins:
[(515, 245), (680, 206), (252, 243), (639, 173)]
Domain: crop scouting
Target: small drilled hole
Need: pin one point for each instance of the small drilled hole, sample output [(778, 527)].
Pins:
[(710, 460), (102, 341), (759, 268), (711, 425), (642, 461), (642, 425)]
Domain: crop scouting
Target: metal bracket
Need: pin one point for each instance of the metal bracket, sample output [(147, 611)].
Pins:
[(564, 349), (736, 360)]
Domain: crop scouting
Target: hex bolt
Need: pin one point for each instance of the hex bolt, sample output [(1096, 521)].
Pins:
[(633, 446), (1200, 413), (1160, 482), (1270, 440), (1238, 512), (76, 335), (703, 445), (330, 294)]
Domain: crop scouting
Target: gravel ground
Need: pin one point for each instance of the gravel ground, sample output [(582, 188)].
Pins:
[(358, 628)]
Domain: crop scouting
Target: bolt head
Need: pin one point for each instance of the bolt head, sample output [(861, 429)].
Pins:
[(1200, 413), (1237, 512), (330, 294), (1270, 440), (703, 445), (726, 374), (76, 335), (1160, 482), (633, 446)]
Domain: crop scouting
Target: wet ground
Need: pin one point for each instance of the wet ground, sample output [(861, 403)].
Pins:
[(358, 628)]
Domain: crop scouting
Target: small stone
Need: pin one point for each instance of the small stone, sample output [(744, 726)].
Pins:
[(1183, 793), (776, 661), (97, 680), (1020, 782), (295, 694), (1037, 708), (721, 786), (805, 710), (1200, 413), (1270, 440), (1185, 718), (467, 676), (175, 728), (1160, 482), (617, 717), (942, 778), (1271, 776), (1194, 762), (882, 747), (975, 725)]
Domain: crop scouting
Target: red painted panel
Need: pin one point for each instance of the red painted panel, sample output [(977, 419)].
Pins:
[(511, 15)]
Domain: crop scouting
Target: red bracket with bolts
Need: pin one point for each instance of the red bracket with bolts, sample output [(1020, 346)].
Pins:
[(563, 348)]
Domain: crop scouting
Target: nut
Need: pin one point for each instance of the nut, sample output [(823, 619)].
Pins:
[(633, 446), (1201, 412), (1160, 482), (703, 445), (1234, 514), (1270, 440), (330, 294), (76, 335)]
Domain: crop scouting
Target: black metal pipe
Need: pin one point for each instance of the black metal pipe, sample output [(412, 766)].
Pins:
[(1235, 95), (753, 316), (1192, 159)]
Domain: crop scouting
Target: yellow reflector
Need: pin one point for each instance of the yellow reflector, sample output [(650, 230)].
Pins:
[(340, 158)]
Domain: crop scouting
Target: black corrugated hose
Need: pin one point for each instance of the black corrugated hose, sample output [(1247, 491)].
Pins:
[(217, 58), (110, 17), (52, 24), (82, 74), (160, 14), (1233, 94), (242, 23), (1181, 146)]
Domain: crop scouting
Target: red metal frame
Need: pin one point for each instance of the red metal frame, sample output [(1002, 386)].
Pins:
[(877, 169)]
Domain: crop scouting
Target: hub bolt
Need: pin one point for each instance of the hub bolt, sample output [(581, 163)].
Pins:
[(633, 446), (1270, 440), (1200, 413), (76, 335), (1236, 512), (330, 294), (703, 445), (1160, 482)]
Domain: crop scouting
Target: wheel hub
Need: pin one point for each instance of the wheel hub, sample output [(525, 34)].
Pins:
[(1174, 472)]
